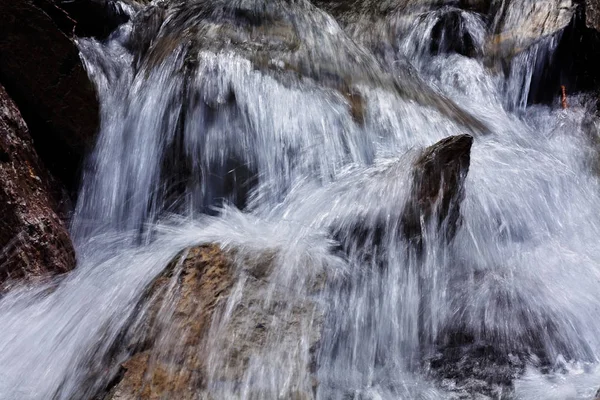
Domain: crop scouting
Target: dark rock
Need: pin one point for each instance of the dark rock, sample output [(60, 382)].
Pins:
[(573, 64), (95, 18), (450, 36), (41, 69), (438, 187), (437, 191), (592, 14), (474, 368), (33, 239)]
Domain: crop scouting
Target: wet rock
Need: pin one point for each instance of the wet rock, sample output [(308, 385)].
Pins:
[(450, 36), (592, 14), (522, 23), (34, 241), (476, 369), (169, 343), (438, 187), (281, 41), (41, 69), (573, 64), (205, 321), (437, 191)]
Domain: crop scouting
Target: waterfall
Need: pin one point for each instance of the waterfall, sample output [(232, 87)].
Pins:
[(270, 126)]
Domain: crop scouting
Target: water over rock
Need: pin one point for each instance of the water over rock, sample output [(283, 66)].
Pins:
[(281, 41), (170, 360), (438, 186), (33, 239), (438, 177), (205, 324), (522, 23)]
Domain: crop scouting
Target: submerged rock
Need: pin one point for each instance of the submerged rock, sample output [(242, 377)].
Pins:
[(33, 239), (41, 69), (289, 41)]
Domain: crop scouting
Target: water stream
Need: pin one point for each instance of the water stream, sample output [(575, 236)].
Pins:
[(218, 129)]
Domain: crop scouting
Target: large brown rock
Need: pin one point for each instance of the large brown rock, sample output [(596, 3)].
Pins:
[(41, 69), (202, 323), (171, 361), (33, 239)]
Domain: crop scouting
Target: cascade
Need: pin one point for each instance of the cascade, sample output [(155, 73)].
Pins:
[(274, 127)]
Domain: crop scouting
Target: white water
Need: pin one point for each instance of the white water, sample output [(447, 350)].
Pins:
[(522, 273)]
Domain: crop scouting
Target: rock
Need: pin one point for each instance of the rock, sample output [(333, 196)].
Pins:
[(41, 69), (33, 239), (523, 23), (282, 41), (196, 340), (170, 363), (437, 191), (438, 187), (96, 18), (592, 14)]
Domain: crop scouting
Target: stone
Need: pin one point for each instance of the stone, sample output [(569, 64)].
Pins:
[(282, 49), (41, 70), (438, 187), (592, 14), (195, 340), (170, 363), (34, 241), (522, 23), (437, 190)]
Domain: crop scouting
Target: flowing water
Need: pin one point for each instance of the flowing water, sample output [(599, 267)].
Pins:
[(205, 112)]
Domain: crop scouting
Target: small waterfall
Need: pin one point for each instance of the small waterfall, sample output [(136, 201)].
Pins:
[(290, 138)]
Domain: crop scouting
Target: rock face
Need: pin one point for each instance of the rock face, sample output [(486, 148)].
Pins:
[(206, 320), (41, 69), (33, 239)]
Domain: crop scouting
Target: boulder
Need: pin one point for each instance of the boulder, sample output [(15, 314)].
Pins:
[(34, 241), (41, 70), (433, 205), (202, 323), (438, 187), (168, 354)]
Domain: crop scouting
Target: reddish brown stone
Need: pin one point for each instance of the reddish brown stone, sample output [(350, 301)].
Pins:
[(33, 239)]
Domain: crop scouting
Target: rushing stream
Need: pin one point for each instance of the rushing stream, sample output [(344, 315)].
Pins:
[(218, 127)]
